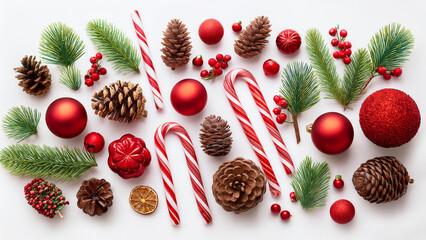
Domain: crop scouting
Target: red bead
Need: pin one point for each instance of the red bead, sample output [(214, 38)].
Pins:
[(348, 52), (217, 72), (227, 58), (236, 27), (293, 197), (281, 118), (397, 72), (224, 65), (381, 70), (336, 54), (342, 54), (93, 60), (276, 110), (204, 73), (341, 45), (348, 44), (212, 62), (102, 71), (387, 76), (282, 103), (343, 33), (89, 82), (217, 65), (198, 61), (275, 208), (277, 98), (98, 56), (95, 77), (347, 60), (285, 215), (334, 42), (219, 57), (332, 31), (338, 182)]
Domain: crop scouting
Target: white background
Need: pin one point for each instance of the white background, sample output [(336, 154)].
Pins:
[(21, 24)]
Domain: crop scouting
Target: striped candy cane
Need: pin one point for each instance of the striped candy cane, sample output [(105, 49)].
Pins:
[(146, 55), (194, 171), (248, 127)]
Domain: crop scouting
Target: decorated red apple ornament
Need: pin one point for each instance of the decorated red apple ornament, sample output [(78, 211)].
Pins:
[(210, 31), (342, 211), (288, 41), (188, 97)]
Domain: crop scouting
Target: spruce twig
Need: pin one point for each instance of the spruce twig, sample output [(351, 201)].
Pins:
[(21, 122), (71, 77)]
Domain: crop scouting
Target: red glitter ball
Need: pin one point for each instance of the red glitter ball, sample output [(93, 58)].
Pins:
[(389, 118), (288, 41)]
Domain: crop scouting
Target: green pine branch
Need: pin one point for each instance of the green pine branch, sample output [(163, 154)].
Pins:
[(311, 183), (54, 162), (115, 45), (21, 122), (300, 89), (71, 77)]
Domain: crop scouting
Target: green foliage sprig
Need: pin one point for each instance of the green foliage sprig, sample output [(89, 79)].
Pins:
[(311, 183), (115, 45), (54, 162), (71, 77), (21, 122)]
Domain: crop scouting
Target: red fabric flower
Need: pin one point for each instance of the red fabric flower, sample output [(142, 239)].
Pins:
[(128, 156)]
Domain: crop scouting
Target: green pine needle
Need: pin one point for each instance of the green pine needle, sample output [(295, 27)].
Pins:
[(54, 162), (71, 77), (60, 45), (21, 122), (311, 183), (115, 45)]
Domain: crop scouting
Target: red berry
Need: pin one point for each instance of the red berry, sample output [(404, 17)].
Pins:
[(277, 98), (275, 208), (204, 73), (86, 76), (293, 197), (347, 60), (212, 62), (282, 103), (336, 54), (95, 77), (198, 61), (281, 118), (341, 45), (397, 72), (93, 60), (334, 42), (217, 72), (89, 82), (343, 33), (224, 65), (387, 76), (219, 57), (342, 54), (348, 44), (227, 58), (90, 71), (348, 52), (99, 55), (276, 110), (338, 182), (236, 27), (285, 215), (217, 65), (95, 66), (332, 31), (102, 71), (381, 70)]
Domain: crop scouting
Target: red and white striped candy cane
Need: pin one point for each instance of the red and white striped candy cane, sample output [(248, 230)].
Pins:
[(146, 56), (194, 171), (248, 127)]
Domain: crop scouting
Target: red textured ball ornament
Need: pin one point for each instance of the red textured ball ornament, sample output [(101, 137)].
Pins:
[(94, 142), (288, 41), (342, 211), (188, 97), (210, 31), (332, 133), (389, 118), (66, 117)]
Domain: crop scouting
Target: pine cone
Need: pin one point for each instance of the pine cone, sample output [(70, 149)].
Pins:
[(177, 47), (35, 79), (215, 136), (238, 185), (120, 101), (381, 179), (252, 40), (95, 196)]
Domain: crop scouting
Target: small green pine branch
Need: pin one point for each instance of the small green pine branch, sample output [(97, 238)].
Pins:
[(21, 122), (115, 45), (71, 77)]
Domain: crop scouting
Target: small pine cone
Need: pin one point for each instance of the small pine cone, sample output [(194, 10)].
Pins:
[(120, 101), (215, 136), (33, 78), (238, 185), (252, 40), (95, 196), (381, 179), (177, 47)]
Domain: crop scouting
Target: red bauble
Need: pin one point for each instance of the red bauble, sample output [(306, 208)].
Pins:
[(285, 215), (342, 211), (210, 31), (288, 41), (66, 117), (389, 118), (275, 208), (332, 133), (94, 142), (338, 182), (188, 97), (270, 67)]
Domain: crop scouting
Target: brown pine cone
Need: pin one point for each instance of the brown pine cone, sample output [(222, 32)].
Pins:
[(215, 136), (33, 78), (381, 179), (177, 47), (95, 196), (120, 101), (238, 185), (252, 39)]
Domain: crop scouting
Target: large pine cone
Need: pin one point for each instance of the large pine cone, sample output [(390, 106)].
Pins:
[(215, 136), (238, 185), (120, 101), (95, 196), (33, 78), (381, 179), (177, 47), (252, 40)]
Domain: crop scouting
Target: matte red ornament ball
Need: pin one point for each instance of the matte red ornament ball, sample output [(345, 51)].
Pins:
[(66, 117), (288, 41), (188, 97), (210, 31), (342, 211), (94, 142)]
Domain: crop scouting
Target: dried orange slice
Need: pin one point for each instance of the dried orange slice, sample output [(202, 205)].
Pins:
[(143, 199)]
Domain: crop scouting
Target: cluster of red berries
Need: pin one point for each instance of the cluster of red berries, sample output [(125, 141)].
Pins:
[(338, 182), (221, 62), (345, 46), (282, 103), (236, 27), (389, 74), (45, 197), (93, 74)]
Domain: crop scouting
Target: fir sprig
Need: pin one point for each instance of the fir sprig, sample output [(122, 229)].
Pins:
[(71, 77), (311, 183), (21, 122), (300, 89), (54, 162), (115, 45)]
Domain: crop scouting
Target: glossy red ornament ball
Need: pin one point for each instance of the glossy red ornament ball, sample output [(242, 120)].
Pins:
[(338, 182), (332, 133), (288, 41), (188, 97), (342, 211), (66, 117), (198, 61), (389, 118), (210, 31), (270, 67), (285, 215), (275, 208), (236, 27), (293, 197), (94, 142)]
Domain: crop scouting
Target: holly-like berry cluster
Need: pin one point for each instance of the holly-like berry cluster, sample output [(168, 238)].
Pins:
[(221, 62), (282, 104), (345, 46), (387, 75), (45, 197), (93, 74)]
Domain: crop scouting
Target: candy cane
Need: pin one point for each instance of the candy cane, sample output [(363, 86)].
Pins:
[(146, 55), (194, 171), (248, 127)]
